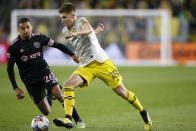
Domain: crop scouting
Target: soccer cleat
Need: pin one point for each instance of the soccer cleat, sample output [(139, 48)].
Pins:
[(147, 121), (65, 122), (80, 124)]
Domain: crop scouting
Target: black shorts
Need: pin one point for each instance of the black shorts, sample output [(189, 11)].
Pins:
[(37, 90)]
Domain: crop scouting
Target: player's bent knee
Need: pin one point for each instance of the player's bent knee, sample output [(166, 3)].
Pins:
[(74, 81), (60, 98), (68, 84)]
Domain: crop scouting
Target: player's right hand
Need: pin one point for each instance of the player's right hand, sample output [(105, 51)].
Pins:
[(19, 93), (75, 58)]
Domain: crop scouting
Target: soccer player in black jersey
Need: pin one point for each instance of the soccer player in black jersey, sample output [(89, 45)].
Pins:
[(27, 52)]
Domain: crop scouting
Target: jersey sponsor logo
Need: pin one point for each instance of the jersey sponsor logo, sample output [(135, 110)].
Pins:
[(24, 58), (74, 30), (36, 44), (35, 55)]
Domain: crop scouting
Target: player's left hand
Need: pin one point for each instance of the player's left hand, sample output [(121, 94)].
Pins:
[(19, 93), (75, 58), (100, 27)]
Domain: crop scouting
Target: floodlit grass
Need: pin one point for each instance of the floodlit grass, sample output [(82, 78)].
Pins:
[(168, 93)]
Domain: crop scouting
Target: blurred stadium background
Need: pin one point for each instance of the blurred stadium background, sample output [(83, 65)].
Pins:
[(160, 34), (137, 38)]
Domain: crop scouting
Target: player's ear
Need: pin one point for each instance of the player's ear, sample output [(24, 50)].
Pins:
[(18, 29), (73, 14)]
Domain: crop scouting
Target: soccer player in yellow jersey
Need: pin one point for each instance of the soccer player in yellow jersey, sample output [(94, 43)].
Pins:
[(93, 62)]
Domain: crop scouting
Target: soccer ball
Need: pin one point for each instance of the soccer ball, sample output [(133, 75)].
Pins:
[(40, 123)]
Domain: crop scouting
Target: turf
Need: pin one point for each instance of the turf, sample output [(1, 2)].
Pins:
[(168, 93)]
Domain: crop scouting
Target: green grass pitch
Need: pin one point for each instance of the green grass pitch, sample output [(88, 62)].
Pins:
[(168, 93)]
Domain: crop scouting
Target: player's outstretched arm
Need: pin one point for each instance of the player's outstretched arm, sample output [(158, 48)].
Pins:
[(100, 28), (66, 50), (85, 30)]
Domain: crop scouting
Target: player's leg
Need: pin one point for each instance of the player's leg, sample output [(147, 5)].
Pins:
[(132, 99), (44, 106), (56, 92), (74, 81), (111, 76), (76, 117), (69, 100), (49, 97), (130, 96), (38, 95)]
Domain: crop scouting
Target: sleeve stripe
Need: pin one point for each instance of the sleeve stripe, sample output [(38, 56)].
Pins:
[(35, 34), (51, 42)]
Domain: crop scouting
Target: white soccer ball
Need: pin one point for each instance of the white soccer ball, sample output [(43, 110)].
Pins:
[(40, 123)]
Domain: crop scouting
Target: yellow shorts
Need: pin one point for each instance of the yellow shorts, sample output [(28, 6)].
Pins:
[(106, 71)]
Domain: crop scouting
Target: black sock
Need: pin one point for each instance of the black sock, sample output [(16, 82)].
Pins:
[(144, 116), (75, 115), (69, 117)]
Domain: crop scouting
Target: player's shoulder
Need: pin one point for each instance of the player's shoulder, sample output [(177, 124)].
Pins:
[(37, 35), (13, 42), (81, 20)]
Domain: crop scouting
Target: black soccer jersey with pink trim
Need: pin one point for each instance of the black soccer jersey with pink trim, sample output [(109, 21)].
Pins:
[(28, 55)]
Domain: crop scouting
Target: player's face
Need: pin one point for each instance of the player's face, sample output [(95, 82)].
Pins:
[(68, 18), (25, 30)]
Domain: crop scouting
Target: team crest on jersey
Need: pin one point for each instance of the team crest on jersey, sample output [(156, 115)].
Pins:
[(74, 30), (36, 44), (21, 50), (24, 58)]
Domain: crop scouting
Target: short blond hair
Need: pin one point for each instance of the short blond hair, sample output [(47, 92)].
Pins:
[(67, 8)]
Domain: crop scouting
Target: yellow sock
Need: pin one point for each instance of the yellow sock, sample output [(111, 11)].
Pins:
[(134, 100), (69, 100)]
